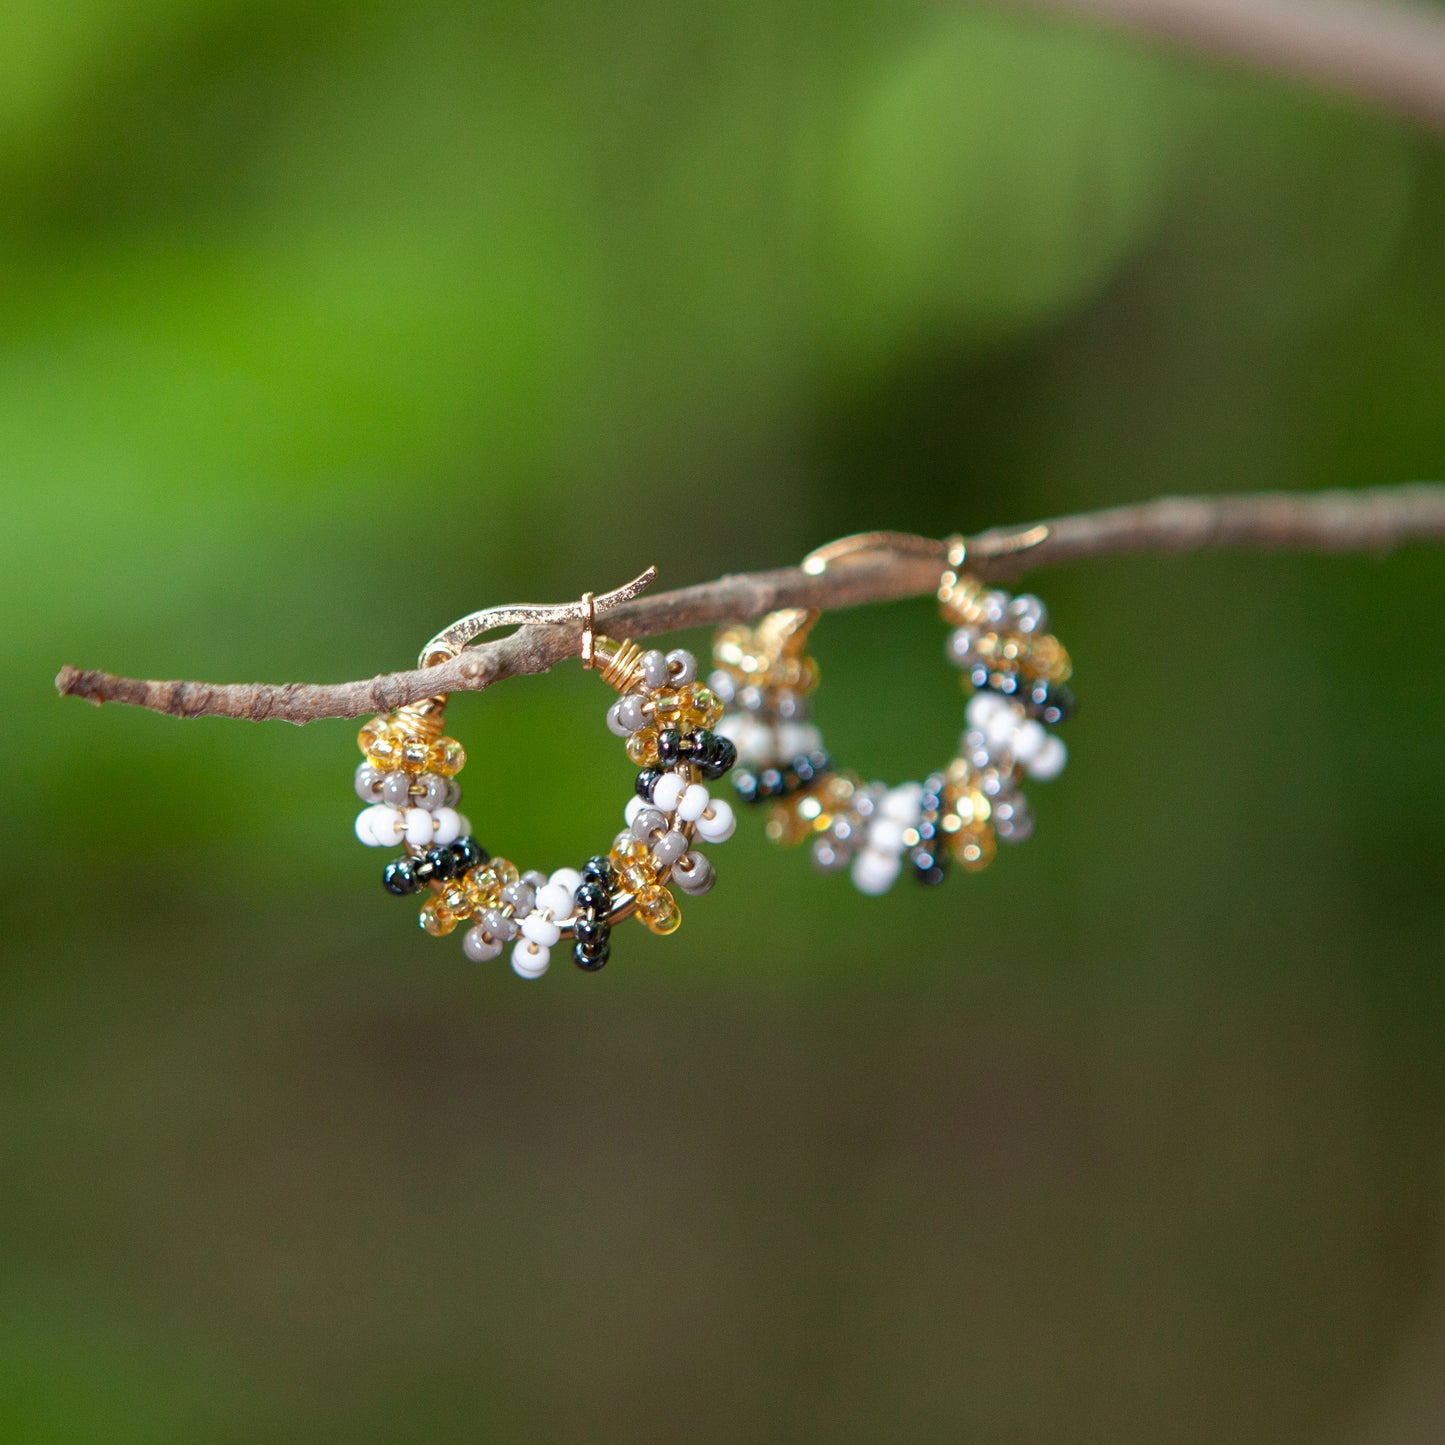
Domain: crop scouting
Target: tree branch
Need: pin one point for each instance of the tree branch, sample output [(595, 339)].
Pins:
[(1388, 54), (1364, 521)]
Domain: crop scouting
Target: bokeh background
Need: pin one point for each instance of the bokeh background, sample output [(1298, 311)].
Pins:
[(322, 324)]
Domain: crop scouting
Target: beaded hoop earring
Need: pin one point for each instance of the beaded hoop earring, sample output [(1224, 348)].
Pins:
[(408, 781), (1015, 671)]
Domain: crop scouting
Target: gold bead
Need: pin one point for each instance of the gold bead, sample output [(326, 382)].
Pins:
[(642, 747), (436, 919), (506, 871), (1044, 657), (414, 754), (667, 702), (384, 752), (455, 900), (446, 756), (658, 909), (369, 734), (973, 847)]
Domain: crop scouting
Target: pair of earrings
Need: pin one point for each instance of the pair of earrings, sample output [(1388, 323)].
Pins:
[(684, 733)]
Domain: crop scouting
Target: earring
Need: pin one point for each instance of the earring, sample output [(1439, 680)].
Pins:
[(1015, 671), (408, 782)]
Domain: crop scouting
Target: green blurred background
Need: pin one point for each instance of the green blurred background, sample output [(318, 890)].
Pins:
[(322, 324)]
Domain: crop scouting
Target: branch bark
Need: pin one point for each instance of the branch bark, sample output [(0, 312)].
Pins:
[(1387, 54), (1364, 521)]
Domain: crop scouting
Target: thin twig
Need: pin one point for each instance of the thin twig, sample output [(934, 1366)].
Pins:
[(1388, 54), (1364, 521)]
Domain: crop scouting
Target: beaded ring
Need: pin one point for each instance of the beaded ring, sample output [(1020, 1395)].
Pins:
[(1015, 671), (408, 781)]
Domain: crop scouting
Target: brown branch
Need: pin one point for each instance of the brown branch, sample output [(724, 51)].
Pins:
[(1387, 54), (1364, 521)]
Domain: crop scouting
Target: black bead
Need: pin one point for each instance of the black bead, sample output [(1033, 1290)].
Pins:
[(713, 755), (400, 877), (746, 783), (468, 853), (592, 898), (442, 862), (600, 871), (646, 782), (928, 866), (669, 746), (591, 931), (590, 960)]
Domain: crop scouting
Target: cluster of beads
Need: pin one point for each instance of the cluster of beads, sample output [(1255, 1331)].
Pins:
[(1017, 672), (408, 780)]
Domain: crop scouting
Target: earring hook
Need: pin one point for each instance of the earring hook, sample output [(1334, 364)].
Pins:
[(449, 643)]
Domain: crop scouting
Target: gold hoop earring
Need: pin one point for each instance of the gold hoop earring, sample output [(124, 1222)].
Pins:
[(1015, 670), (408, 782)]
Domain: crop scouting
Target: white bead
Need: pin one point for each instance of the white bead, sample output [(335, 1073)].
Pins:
[(886, 836), (568, 878), (635, 805), (556, 898), (693, 803), (903, 804), (999, 731), (387, 826), (449, 825), (874, 872), (363, 828), (717, 823), (465, 823), (795, 739), (755, 741), (983, 706), (1050, 761), (540, 930), (1030, 737), (419, 827), (667, 792), (530, 959)]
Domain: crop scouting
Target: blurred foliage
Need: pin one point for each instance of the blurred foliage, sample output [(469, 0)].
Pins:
[(323, 324)]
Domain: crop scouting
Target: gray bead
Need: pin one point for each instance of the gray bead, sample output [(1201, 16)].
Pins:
[(396, 789), (845, 828), (722, 685), (828, 856), (480, 946), (630, 714), (436, 792), (519, 897), (961, 644), (654, 669), (750, 698), (693, 873), (991, 782), (647, 823), (615, 725), (368, 783), (865, 801), (535, 877), (787, 706), (1027, 613), (681, 666), (499, 924), (454, 793), (993, 607), (670, 847), (1012, 820)]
